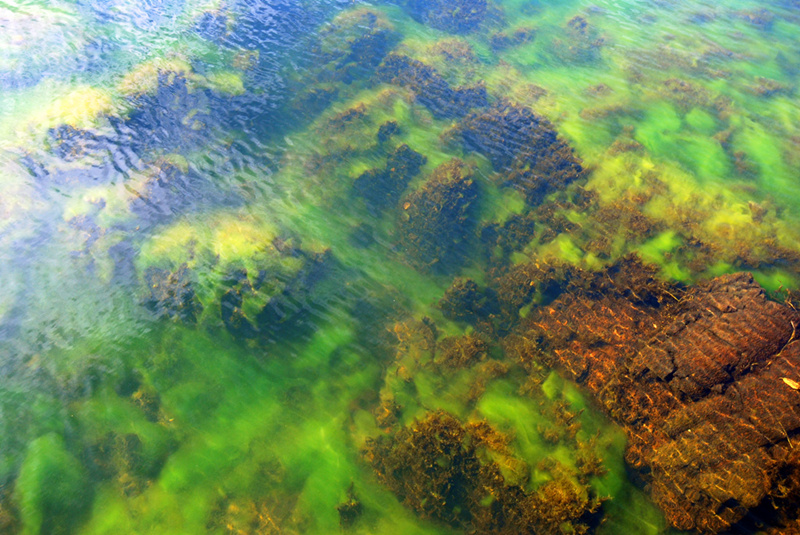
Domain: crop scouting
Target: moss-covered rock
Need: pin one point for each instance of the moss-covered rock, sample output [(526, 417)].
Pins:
[(382, 188), (172, 294), (354, 43), (430, 88), (435, 226), (524, 147), (454, 16), (437, 467)]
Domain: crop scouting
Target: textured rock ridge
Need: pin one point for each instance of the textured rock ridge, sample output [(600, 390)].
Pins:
[(705, 382)]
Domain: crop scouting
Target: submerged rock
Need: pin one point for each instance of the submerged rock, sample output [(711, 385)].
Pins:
[(704, 381), (581, 43), (382, 188), (52, 491), (436, 466), (464, 300), (430, 88), (524, 147), (354, 44), (454, 16), (350, 510), (172, 294), (435, 220)]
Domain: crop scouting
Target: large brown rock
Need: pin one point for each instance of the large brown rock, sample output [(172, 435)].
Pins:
[(702, 380)]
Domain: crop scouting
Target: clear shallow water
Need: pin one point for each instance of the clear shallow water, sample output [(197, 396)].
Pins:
[(205, 322)]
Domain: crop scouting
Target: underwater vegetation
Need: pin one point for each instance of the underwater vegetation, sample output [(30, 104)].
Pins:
[(413, 267), (435, 468)]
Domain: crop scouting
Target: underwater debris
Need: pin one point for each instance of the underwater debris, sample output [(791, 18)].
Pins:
[(524, 147), (382, 188), (434, 467), (693, 375), (435, 222), (452, 16), (172, 294), (430, 89)]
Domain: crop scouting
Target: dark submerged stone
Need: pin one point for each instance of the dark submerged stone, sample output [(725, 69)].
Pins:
[(430, 89), (387, 130), (524, 147), (350, 510), (435, 223), (382, 188), (464, 300), (453, 16), (172, 294), (354, 44)]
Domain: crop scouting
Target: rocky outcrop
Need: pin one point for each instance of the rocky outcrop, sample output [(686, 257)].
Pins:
[(705, 382)]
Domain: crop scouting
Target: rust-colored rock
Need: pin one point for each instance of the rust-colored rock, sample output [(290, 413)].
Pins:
[(704, 381)]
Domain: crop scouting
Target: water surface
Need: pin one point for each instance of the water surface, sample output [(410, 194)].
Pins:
[(222, 272)]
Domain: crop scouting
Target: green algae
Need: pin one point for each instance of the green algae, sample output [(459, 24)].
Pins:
[(52, 489)]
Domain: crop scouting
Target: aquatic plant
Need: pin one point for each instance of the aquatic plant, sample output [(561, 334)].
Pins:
[(52, 491), (434, 466)]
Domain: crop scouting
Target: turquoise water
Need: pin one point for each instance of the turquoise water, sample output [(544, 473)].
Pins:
[(222, 271)]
